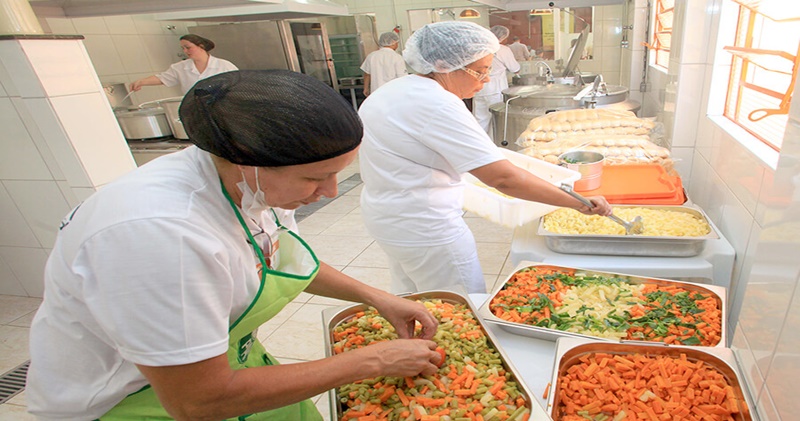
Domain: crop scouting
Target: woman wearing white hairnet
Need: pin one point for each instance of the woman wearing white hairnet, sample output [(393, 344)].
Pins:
[(383, 65), (418, 139), (492, 91)]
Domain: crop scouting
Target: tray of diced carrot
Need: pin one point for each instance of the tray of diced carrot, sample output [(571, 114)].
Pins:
[(604, 381), (475, 382), (548, 302)]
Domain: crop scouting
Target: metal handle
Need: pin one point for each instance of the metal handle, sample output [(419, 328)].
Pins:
[(618, 220), (568, 189)]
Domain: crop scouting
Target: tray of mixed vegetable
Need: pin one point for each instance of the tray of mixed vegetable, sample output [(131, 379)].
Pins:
[(476, 380), (602, 381), (549, 302)]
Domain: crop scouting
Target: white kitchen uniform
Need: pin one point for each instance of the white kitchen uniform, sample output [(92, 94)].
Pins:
[(520, 51), (383, 65), (112, 300), (185, 74), (492, 91), (418, 139)]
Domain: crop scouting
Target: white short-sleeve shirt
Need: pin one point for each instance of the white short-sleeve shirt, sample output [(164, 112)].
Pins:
[(382, 66), (152, 269), (503, 62), (185, 74), (418, 140)]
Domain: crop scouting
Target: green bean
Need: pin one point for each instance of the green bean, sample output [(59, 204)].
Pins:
[(517, 413)]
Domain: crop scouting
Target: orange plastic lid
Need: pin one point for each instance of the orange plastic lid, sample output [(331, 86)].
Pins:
[(638, 184)]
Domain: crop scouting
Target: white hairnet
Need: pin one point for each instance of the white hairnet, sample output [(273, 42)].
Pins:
[(500, 31), (442, 47), (388, 38)]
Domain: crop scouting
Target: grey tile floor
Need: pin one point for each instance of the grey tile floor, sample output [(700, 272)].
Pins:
[(337, 235)]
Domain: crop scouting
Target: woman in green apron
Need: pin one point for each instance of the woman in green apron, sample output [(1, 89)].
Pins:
[(158, 283)]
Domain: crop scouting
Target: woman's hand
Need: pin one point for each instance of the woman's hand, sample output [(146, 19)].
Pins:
[(601, 207), (402, 357), (137, 85), (404, 314)]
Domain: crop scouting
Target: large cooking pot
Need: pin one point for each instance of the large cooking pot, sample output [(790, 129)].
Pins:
[(528, 102), (145, 124), (171, 106)]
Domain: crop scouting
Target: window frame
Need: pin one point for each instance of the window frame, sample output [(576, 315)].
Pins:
[(739, 87), (658, 50)]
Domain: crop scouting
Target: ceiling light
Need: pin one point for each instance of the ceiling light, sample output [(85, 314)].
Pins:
[(470, 13)]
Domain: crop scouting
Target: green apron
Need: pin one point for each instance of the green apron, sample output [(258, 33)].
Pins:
[(295, 269)]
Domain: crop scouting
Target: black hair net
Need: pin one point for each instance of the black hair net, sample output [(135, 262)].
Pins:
[(269, 118)]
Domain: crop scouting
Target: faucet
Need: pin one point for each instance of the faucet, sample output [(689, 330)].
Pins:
[(545, 71)]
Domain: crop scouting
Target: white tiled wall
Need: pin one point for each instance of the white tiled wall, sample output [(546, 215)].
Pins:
[(126, 48), (753, 201), (59, 141)]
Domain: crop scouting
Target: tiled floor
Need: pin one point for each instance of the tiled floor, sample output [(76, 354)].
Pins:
[(338, 237)]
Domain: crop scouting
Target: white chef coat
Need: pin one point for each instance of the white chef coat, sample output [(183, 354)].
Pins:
[(151, 270), (418, 139), (520, 51), (492, 91), (185, 74), (382, 66)]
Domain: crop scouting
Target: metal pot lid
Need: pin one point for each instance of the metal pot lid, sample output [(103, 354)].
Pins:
[(171, 99), (556, 91), (145, 112), (577, 50)]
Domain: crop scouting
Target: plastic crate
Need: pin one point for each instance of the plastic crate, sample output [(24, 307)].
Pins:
[(512, 212)]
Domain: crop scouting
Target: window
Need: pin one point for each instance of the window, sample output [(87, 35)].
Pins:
[(764, 67), (662, 33)]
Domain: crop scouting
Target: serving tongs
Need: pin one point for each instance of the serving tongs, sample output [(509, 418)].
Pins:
[(634, 227)]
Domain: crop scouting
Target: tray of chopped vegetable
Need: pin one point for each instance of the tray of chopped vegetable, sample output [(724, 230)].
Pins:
[(669, 231), (475, 379), (548, 302), (604, 381)]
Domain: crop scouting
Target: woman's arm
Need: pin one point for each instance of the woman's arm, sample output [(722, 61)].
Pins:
[(211, 390), (367, 81), (515, 181), (148, 81), (403, 314)]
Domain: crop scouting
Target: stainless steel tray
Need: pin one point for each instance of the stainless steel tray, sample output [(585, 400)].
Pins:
[(332, 317), (553, 334), (631, 245), (569, 350)]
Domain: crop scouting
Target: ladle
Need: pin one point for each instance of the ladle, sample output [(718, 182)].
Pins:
[(634, 227)]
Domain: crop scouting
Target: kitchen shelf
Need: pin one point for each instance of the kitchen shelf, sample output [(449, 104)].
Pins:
[(346, 54)]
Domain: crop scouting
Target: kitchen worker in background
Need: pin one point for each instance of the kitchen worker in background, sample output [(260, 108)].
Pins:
[(492, 91), (384, 64), (418, 140), (157, 283), (520, 50), (186, 73)]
